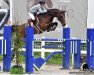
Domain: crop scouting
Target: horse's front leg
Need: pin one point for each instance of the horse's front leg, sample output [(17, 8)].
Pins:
[(52, 26)]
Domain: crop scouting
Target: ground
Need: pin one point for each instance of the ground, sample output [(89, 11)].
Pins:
[(54, 70)]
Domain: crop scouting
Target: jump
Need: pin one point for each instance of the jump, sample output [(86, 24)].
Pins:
[(44, 21)]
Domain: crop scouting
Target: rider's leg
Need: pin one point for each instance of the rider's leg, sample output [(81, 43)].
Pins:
[(32, 17), (30, 22)]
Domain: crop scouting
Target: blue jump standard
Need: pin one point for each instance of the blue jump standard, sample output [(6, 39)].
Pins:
[(29, 49), (90, 48), (7, 55), (39, 62), (66, 56)]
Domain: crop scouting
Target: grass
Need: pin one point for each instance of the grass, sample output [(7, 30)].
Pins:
[(56, 59)]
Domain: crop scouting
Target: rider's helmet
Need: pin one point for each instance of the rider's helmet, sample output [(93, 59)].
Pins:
[(41, 1)]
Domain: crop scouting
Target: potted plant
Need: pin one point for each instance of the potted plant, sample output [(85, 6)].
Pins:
[(17, 43)]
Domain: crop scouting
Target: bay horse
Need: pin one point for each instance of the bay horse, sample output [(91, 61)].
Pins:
[(45, 21)]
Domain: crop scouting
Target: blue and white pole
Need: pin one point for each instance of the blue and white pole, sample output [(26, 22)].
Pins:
[(76, 52)]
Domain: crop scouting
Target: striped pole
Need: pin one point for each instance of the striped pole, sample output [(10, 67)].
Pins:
[(76, 52), (66, 44), (29, 49), (7, 53)]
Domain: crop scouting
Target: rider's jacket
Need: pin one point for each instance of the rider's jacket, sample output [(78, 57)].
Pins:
[(37, 9)]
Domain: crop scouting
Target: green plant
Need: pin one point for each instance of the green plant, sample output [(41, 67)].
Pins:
[(16, 70), (1, 57), (17, 44)]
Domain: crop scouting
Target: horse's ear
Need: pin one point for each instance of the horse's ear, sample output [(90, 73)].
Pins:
[(63, 11)]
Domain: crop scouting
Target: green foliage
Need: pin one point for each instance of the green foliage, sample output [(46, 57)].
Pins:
[(83, 46), (16, 70), (70, 59), (37, 54), (17, 44), (56, 59), (21, 58), (1, 57)]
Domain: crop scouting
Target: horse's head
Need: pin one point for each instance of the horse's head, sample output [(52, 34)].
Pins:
[(55, 13), (61, 17)]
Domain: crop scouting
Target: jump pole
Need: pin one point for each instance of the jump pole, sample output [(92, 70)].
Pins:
[(29, 49)]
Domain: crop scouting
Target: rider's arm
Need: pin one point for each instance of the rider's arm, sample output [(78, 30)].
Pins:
[(41, 11), (33, 9)]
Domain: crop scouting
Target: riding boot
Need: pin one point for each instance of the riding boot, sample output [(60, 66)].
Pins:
[(30, 22)]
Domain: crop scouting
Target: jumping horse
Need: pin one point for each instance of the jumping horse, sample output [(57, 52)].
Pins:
[(45, 22)]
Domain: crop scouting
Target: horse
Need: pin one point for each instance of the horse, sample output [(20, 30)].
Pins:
[(45, 21)]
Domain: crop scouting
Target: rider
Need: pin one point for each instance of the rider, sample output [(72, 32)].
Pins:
[(37, 9)]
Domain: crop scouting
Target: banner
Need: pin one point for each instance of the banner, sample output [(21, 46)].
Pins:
[(4, 14), (76, 15)]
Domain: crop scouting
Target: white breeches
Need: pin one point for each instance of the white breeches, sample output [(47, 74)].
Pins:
[(32, 16)]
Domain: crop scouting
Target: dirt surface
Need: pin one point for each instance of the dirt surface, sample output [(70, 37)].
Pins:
[(54, 70)]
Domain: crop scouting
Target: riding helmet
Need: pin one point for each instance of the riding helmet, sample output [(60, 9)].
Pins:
[(41, 1)]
